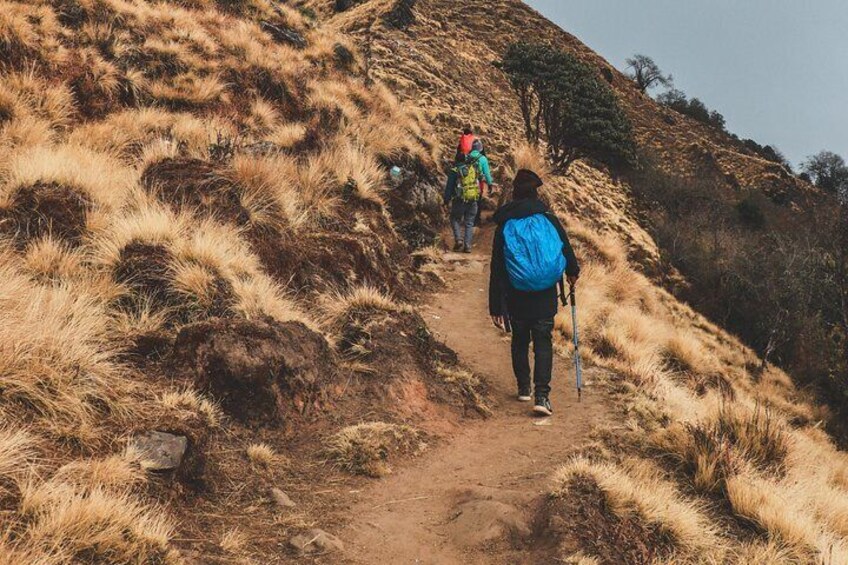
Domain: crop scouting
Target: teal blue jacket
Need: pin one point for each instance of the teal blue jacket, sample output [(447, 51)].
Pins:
[(483, 161), (485, 170)]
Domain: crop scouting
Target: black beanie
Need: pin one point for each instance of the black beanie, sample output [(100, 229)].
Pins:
[(525, 184)]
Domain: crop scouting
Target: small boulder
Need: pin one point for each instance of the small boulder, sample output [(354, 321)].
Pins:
[(160, 451), (281, 499), (316, 542)]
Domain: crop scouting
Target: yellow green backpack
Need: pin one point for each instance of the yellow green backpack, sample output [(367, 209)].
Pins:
[(468, 180)]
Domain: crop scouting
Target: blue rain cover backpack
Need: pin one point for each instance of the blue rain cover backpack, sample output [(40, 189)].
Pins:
[(533, 253)]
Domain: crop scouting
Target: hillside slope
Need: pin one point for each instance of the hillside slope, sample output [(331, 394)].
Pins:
[(716, 460), (202, 266)]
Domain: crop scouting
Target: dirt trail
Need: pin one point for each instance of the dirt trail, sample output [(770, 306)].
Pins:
[(452, 504)]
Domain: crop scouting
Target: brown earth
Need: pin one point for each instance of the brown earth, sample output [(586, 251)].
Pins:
[(475, 498)]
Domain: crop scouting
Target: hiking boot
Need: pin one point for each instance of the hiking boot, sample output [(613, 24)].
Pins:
[(466, 249), (457, 247), (543, 406), (524, 395)]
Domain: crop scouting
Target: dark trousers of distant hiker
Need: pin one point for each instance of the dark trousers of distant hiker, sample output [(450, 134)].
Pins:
[(462, 218), (540, 333)]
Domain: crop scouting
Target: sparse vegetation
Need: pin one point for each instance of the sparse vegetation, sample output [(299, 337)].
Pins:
[(365, 449), (692, 107)]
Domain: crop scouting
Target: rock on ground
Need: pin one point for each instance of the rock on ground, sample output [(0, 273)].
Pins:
[(160, 451), (281, 499), (316, 541)]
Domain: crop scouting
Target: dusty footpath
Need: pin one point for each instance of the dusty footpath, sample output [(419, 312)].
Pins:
[(473, 497)]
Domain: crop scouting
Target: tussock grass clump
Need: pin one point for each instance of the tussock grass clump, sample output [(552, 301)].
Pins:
[(192, 402), (365, 449), (468, 385), (635, 502), (55, 355), (65, 523), (262, 455), (359, 300), (233, 541), (726, 443), (783, 513)]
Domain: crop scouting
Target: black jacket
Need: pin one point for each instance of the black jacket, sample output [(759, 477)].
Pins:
[(503, 298)]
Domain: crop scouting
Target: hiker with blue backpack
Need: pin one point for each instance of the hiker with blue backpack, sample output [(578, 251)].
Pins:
[(530, 255), (470, 176)]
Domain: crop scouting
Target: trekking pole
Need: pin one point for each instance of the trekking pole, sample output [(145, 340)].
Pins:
[(578, 366)]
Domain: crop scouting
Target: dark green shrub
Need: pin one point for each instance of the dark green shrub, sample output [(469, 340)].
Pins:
[(564, 104)]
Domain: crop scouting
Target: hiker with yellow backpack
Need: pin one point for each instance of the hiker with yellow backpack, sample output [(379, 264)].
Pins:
[(468, 180)]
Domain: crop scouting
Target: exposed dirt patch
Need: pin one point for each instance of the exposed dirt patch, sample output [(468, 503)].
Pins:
[(392, 339), (479, 521), (195, 186), (45, 208), (415, 204), (261, 372)]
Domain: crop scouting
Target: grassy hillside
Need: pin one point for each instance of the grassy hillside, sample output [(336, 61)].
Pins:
[(715, 459), (199, 237)]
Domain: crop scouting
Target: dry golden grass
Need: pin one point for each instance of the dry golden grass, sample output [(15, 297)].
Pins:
[(262, 455), (364, 449), (88, 104), (233, 541), (96, 175), (641, 490), (191, 401), (49, 261), (66, 523), (468, 384)]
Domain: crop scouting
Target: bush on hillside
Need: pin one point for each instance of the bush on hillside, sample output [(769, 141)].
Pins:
[(767, 152), (565, 105), (694, 108), (828, 171)]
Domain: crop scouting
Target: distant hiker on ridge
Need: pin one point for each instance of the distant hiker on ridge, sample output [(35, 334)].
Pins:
[(467, 181), (466, 140), (530, 253)]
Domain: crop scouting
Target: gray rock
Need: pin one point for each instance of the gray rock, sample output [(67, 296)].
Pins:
[(316, 542), (160, 451), (281, 499)]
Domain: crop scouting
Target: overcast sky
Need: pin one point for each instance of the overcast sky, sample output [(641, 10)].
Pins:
[(776, 69)]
